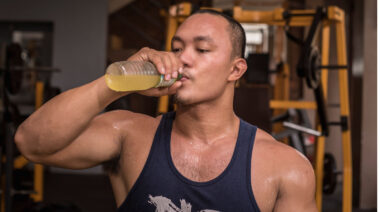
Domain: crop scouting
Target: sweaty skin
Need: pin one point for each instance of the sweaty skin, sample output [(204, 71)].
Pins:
[(68, 131)]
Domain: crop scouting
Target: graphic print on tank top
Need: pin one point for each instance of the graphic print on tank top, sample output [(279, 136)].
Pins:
[(164, 204), (162, 188)]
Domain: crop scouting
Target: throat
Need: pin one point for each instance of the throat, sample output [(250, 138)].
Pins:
[(205, 128)]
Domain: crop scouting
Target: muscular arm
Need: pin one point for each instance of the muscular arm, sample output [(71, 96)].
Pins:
[(297, 186), (67, 118), (68, 132)]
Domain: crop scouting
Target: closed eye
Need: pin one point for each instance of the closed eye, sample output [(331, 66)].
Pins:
[(175, 50), (203, 50)]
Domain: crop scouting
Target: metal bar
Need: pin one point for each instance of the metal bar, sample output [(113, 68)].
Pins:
[(301, 17), (8, 167), (333, 67), (301, 128), (279, 104), (345, 112), (321, 108), (289, 15), (38, 169), (281, 93), (335, 14), (319, 150), (297, 142), (318, 169), (172, 25), (20, 162)]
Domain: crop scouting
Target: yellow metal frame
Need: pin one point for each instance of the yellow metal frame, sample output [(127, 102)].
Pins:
[(38, 168), (20, 161), (335, 17)]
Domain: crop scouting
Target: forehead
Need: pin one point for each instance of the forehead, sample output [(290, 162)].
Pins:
[(207, 25)]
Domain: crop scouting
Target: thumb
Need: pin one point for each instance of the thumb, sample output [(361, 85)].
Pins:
[(173, 88)]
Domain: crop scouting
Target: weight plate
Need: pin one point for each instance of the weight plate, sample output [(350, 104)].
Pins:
[(329, 174), (313, 72)]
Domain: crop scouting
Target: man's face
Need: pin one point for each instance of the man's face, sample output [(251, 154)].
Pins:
[(203, 45)]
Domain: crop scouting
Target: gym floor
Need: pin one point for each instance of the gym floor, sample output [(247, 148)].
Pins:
[(94, 193)]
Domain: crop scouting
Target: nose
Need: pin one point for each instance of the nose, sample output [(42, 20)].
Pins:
[(186, 57)]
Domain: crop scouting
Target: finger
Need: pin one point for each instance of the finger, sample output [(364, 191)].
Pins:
[(175, 64), (173, 89), (151, 55), (167, 61), (156, 59)]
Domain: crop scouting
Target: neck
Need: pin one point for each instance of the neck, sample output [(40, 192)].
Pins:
[(207, 122)]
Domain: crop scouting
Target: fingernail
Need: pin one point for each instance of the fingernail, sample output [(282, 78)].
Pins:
[(180, 70), (163, 70), (167, 77), (175, 75)]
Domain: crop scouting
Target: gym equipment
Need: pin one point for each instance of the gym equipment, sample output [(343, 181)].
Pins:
[(330, 174), (313, 67), (12, 82), (296, 136)]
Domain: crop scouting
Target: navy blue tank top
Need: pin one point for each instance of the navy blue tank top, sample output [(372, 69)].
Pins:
[(161, 188)]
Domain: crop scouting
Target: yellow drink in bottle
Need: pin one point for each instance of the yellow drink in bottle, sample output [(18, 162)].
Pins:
[(134, 76), (131, 82)]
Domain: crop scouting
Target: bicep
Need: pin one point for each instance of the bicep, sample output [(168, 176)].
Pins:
[(99, 142)]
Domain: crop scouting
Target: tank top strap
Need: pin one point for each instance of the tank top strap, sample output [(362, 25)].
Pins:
[(156, 161), (163, 131), (240, 171), (245, 142), (243, 149)]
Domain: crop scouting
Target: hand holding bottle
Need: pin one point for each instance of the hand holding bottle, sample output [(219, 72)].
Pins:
[(155, 73)]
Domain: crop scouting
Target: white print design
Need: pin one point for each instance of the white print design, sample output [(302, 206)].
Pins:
[(164, 204)]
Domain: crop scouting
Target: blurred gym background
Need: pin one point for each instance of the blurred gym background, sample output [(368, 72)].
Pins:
[(47, 47)]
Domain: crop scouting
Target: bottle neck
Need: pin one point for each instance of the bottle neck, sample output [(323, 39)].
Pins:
[(167, 83)]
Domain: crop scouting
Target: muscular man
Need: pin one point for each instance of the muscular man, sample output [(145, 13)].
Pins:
[(200, 158)]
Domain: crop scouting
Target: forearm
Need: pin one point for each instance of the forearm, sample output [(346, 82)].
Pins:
[(58, 122)]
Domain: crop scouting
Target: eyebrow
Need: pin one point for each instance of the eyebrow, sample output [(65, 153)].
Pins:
[(176, 38), (196, 39)]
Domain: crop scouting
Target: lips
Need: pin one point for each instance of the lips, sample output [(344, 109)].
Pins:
[(183, 78)]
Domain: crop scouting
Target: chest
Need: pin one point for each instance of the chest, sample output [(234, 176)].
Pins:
[(201, 162)]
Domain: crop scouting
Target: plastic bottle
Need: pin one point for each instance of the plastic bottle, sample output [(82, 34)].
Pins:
[(135, 76)]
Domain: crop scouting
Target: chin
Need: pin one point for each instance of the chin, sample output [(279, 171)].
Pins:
[(184, 98), (180, 100)]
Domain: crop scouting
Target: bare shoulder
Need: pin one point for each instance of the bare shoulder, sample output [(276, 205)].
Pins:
[(135, 130), (291, 172), (129, 122), (280, 153), (128, 117)]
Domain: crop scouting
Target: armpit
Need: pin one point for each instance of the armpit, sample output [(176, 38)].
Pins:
[(112, 166)]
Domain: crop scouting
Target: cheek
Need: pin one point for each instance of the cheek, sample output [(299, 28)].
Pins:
[(217, 65), (211, 84)]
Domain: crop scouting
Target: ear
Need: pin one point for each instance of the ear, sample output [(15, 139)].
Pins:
[(238, 69)]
